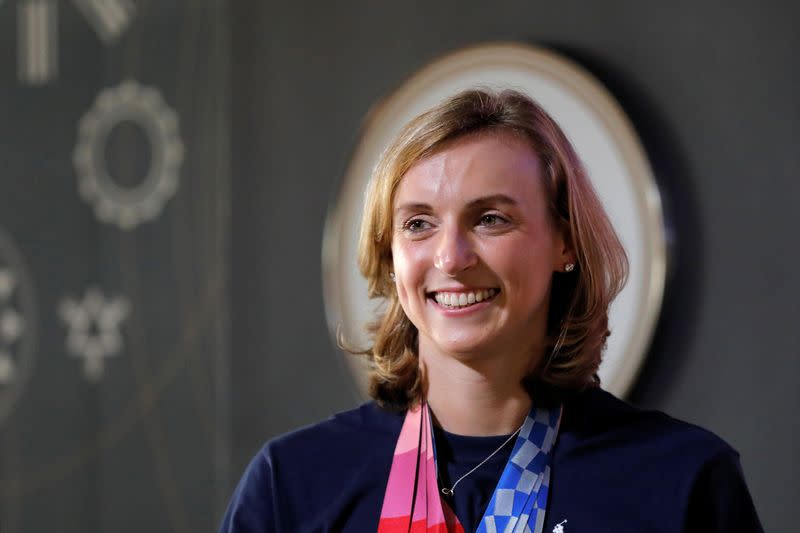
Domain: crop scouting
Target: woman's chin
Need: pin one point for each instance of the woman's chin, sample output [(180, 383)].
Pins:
[(466, 349)]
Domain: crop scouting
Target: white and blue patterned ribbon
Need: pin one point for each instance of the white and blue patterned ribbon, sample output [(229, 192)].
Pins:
[(519, 502)]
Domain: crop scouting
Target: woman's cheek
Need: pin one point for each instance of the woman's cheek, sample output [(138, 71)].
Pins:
[(403, 270)]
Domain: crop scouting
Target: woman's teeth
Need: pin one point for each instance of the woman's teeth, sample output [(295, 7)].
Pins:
[(463, 299)]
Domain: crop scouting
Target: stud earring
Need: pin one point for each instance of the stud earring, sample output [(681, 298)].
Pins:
[(391, 275), (569, 267)]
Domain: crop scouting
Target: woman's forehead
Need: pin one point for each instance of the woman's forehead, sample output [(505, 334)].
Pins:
[(473, 167)]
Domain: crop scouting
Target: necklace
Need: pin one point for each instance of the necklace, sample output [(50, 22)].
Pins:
[(449, 492)]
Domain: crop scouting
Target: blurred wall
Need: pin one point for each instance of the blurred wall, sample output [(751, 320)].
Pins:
[(114, 228), (712, 88)]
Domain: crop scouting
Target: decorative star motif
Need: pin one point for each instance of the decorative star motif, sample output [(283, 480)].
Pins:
[(94, 329)]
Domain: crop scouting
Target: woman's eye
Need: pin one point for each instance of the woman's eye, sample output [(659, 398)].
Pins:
[(416, 224), (491, 220)]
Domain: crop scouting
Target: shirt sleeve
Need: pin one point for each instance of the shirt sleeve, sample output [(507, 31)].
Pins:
[(252, 509), (720, 501)]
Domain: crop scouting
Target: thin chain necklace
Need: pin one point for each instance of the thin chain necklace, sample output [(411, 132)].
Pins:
[(450, 491)]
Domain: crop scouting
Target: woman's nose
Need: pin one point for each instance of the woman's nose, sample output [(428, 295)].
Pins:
[(454, 252)]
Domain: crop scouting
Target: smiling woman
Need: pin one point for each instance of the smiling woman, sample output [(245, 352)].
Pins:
[(475, 237), (498, 263), (500, 156)]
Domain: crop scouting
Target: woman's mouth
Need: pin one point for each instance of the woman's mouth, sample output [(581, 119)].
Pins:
[(458, 300)]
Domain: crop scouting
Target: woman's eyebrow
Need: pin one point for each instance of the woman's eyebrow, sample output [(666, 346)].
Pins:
[(491, 200), (413, 206)]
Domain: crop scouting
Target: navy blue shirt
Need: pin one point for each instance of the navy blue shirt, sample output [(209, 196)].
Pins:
[(615, 469), (456, 455)]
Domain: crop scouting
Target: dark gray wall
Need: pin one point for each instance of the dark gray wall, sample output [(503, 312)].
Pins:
[(144, 448), (712, 88)]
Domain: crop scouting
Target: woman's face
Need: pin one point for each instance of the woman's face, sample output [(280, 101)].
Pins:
[(474, 248)]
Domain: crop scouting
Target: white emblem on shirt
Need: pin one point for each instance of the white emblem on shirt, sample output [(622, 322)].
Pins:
[(559, 527)]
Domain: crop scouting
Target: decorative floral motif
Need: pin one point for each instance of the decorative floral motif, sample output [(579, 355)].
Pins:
[(11, 326), (17, 324), (94, 334), (114, 203)]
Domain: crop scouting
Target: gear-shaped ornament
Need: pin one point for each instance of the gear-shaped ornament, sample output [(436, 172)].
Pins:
[(113, 203)]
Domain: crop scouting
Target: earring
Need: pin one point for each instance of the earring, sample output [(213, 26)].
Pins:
[(391, 275), (569, 267)]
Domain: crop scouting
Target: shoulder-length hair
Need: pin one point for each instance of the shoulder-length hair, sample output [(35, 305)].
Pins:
[(577, 325)]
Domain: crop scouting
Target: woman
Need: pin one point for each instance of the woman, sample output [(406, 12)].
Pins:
[(498, 263)]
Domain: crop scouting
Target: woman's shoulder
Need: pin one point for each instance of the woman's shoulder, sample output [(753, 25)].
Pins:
[(326, 447), (319, 475), (644, 458), (596, 416), (357, 440), (342, 433)]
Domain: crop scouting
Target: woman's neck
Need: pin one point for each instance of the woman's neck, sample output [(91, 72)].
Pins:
[(475, 397)]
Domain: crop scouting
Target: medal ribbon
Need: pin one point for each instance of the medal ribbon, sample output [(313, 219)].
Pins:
[(412, 502)]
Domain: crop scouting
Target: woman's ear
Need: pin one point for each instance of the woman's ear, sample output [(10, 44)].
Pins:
[(567, 258)]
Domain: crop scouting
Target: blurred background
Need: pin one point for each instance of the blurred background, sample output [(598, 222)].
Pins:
[(166, 168)]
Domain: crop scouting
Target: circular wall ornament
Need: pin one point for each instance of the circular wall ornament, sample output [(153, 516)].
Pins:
[(604, 139), (17, 324), (113, 203)]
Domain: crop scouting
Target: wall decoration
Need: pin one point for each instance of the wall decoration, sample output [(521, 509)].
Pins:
[(109, 360), (11, 325), (94, 329), (17, 324), (604, 139), (109, 18), (113, 203), (37, 41), (37, 33)]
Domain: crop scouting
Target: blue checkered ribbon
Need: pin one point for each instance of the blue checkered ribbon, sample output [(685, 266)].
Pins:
[(519, 502)]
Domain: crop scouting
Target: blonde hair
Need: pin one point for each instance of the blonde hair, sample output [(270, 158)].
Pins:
[(578, 314)]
